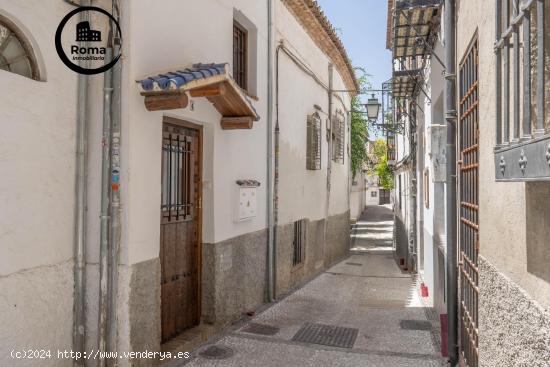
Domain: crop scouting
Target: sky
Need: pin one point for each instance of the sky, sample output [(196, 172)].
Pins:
[(361, 25)]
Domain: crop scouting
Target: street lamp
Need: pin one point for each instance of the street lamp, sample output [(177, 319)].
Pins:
[(373, 106)]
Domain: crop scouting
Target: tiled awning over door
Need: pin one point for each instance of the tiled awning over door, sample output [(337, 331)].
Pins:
[(169, 90)]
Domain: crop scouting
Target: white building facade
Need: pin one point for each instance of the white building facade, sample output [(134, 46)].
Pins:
[(203, 248)]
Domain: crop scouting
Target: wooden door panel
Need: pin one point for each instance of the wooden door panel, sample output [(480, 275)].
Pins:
[(180, 224)]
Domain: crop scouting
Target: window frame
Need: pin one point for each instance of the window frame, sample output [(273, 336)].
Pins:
[(338, 132), (313, 142), (240, 67), (521, 152), (299, 241), (26, 45)]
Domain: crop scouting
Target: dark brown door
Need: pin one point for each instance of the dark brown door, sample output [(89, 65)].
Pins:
[(469, 207), (180, 228), (383, 196)]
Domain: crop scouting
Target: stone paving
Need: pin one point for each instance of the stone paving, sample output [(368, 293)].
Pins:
[(367, 291)]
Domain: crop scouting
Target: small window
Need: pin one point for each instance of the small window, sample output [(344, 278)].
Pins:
[(240, 55), (16, 55), (373, 194), (338, 137), (299, 242), (313, 144)]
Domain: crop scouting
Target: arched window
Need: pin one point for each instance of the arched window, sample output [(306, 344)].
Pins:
[(16, 54)]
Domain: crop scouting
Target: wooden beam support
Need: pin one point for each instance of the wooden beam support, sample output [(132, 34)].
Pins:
[(234, 123), (172, 101), (209, 91)]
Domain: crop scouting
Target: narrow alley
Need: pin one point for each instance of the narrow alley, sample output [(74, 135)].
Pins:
[(363, 311)]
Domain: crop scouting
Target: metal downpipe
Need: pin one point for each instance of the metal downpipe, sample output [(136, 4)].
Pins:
[(270, 186), (104, 295), (115, 212), (329, 156), (81, 170), (451, 223)]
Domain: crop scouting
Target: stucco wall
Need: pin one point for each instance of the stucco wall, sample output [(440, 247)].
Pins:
[(317, 257), (512, 227), (37, 154), (514, 328), (503, 227), (302, 192), (226, 157), (358, 196)]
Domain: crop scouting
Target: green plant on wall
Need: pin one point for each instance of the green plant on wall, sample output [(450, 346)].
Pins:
[(380, 165), (359, 131)]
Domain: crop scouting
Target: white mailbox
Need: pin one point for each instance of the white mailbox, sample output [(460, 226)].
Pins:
[(247, 191)]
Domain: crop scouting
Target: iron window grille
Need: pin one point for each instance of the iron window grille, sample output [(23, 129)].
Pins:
[(468, 194), (299, 242), (522, 149), (240, 55), (177, 174), (338, 137), (313, 144)]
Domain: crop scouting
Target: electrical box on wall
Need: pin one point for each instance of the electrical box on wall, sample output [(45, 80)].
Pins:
[(437, 140), (247, 199)]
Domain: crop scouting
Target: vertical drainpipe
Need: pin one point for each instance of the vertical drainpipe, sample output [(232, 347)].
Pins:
[(451, 223), (413, 193), (115, 212), (269, 186), (329, 155), (104, 216), (350, 174), (79, 317)]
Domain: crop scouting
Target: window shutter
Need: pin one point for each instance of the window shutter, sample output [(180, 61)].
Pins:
[(338, 136), (313, 145)]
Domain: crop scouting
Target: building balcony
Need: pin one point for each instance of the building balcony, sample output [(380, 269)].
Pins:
[(522, 152), (414, 23), (523, 160)]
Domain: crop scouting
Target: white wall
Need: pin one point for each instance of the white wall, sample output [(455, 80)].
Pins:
[(228, 155), (358, 195), (372, 186), (37, 155), (302, 192)]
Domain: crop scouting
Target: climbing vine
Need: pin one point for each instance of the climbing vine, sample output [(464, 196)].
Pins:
[(359, 131), (380, 164)]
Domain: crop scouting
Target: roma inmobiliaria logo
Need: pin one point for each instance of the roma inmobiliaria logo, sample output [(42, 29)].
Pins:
[(83, 46)]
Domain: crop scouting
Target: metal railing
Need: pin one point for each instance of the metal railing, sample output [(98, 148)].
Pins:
[(522, 149)]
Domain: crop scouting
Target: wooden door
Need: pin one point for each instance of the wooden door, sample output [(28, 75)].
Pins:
[(469, 207), (180, 227)]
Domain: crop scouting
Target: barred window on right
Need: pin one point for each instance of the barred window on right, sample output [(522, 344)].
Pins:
[(522, 50)]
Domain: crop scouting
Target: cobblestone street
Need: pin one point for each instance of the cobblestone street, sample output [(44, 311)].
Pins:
[(365, 292)]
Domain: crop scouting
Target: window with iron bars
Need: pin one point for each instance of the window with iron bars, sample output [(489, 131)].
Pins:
[(522, 50), (240, 55), (299, 242), (313, 144), (177, 172), (338, 137)]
